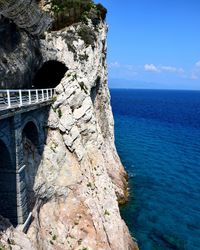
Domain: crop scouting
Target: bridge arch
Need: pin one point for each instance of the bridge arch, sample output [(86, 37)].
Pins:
[(31, 132), (8, 199), (49, 75), (32, 158)]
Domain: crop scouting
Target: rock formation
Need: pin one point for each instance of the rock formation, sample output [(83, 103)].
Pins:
[(26, 14), (19, 56), (80, 179)]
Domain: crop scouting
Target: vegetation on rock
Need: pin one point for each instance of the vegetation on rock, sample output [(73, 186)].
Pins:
[(87, 35), (67, 12)]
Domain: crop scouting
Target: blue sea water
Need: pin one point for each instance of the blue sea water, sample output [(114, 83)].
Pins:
[(158, 139)]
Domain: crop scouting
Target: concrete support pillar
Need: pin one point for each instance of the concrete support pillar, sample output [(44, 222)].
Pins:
[(22, 207)]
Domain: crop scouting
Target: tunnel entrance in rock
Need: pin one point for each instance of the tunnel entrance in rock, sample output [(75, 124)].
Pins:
[(49, 75), (8, 199), (32, 160)]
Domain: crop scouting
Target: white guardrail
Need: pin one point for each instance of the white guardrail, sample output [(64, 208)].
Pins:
[(17, 98)]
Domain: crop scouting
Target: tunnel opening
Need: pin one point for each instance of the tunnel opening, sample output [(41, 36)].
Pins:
[(32, 160), (49, 75), (8, 193)]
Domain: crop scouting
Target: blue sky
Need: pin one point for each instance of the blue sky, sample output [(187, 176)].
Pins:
[(154, 44)]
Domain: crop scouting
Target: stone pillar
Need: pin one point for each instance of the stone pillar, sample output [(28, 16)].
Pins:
[(22, 208)]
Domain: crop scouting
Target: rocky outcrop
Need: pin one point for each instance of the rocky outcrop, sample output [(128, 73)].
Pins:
[(80, 176), (19, 50), (80, 179), (12, 238), (26, 15), (20, 56)]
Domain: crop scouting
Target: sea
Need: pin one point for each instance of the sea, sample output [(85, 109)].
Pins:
[(157, 135)]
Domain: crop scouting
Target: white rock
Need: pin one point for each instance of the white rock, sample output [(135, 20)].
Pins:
[(78, 113), (66, 120)]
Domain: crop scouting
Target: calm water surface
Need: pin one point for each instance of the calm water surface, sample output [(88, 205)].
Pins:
[(158, 139)]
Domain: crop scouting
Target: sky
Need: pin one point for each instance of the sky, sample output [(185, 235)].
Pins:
[(154, 43)]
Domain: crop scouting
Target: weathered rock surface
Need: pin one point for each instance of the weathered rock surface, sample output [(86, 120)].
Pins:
[(26, 14), (11, 238), (19, 56), (80, 179), (81, 176)]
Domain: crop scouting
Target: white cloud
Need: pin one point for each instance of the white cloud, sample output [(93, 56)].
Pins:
[(194, 76), (195, 72), (126, 71), (168, 68), (197, 64), (130, 67), (114, 64), (118, 69), (172, 69), (160, 68), (151, 68)]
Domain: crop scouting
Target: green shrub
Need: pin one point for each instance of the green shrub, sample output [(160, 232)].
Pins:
[(74, 77), (67, 12), (83, 57), (102, 11), (83, 87), (54, 98), (106, 212), (89, 184), (84, 17), (87, 35), (54, 237), (59, 113)]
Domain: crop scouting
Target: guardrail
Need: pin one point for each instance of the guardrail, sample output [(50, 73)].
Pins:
[(17, 98)]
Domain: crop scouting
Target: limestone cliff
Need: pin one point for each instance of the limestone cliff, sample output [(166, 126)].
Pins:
[(80, 179)]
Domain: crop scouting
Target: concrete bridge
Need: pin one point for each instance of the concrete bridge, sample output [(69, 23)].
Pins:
[(23, 116)]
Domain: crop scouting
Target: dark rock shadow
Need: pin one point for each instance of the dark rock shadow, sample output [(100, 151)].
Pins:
[(49, 75), (8, 201), (9, 34)]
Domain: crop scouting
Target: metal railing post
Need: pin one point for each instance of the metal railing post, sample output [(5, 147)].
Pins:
[(20, 98), (36, 95), (8, 98), (47, 94), (29, 97), (43, 95), (51, 93)]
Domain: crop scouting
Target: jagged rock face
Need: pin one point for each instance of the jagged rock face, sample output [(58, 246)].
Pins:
[(19, 20), (11, 238), (80, 176), (19, 56), (26, 14)]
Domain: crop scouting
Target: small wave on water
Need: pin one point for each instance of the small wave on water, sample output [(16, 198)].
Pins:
[(158, 140)]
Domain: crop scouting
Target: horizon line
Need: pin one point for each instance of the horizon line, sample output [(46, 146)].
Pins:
[(119, 88)]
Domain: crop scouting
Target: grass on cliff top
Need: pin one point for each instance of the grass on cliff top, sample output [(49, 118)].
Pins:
[(68, 12)]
